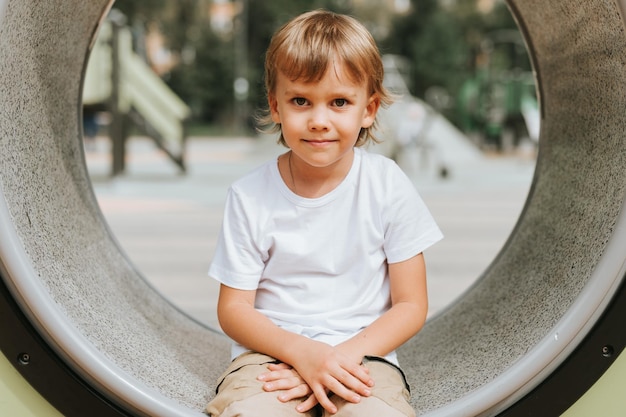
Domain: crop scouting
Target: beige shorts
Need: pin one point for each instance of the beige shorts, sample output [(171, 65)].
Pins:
[(239, 393)]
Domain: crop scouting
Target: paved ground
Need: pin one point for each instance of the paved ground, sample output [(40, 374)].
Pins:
[(168, 222)]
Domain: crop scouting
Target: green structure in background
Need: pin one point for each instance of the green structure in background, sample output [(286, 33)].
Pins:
[(117, 80), (498, 107)]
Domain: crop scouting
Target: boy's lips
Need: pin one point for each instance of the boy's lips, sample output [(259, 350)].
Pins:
[(319, 141)]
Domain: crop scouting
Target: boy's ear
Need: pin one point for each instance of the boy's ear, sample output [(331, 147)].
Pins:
[(273, 105), (369, 115)]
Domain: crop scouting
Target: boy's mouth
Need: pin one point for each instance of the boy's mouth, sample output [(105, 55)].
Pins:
[(319, 141)]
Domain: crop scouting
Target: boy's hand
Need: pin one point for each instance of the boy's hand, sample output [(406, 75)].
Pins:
[(325, 369), (282, 377)]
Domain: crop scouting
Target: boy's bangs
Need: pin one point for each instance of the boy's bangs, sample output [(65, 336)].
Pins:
[(303, 66), (311, 65)]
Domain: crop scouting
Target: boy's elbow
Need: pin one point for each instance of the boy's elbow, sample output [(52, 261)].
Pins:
[(222, 319), (418, 313), (226, 316), (232, 304)]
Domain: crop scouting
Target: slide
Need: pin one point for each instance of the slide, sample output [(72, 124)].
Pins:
[(142, 96)]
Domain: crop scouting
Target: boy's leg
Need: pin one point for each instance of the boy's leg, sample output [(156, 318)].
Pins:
[(240, 394), (390, 394), (368, 407), (265, 404)]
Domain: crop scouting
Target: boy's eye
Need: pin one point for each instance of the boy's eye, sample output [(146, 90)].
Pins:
[(299, 101), (340, 102)]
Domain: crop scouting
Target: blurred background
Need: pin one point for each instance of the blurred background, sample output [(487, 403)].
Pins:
[(173, 88), (465, 58)]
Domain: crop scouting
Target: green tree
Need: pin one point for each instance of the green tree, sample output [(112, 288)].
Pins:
[(442, 44), (141, 10), (433, 41), (206, 83)]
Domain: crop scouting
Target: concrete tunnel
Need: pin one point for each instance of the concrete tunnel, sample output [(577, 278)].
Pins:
[(535, 333)]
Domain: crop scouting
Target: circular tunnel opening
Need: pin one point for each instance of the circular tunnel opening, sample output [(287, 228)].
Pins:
[(531, 311), (149, 206)]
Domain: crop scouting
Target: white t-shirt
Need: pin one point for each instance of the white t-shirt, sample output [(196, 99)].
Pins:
[(319, 265)]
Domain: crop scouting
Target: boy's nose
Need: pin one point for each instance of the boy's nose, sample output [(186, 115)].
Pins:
[(319, 119)]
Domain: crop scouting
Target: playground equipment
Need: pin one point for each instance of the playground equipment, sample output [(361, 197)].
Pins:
[(118, 80), (536, 332), (498, 106), (410, 125)]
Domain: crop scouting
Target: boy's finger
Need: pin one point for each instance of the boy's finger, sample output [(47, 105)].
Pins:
[(342, 389), (301, 391), (323, 400), (289, 374), (278, 366), (307, 404), (358, 380), (361, 373), (283, 384)]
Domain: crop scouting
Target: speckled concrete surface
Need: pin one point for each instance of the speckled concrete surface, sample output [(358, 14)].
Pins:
[(44, 182), (570, 215), (577, 195)]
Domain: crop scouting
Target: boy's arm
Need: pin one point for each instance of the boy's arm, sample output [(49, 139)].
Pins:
[(409, 307), (403, 320), (320, 365)]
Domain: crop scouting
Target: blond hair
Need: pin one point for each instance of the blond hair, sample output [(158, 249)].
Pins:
[(304, 48)]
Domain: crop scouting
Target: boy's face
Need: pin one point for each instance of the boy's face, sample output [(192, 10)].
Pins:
[(321, 121)]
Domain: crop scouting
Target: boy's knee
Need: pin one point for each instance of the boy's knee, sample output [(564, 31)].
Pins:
[(369, 406), (390, 395), (241, 394), (263, 404)]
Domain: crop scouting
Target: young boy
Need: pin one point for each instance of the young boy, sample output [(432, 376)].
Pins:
[(320, 255)]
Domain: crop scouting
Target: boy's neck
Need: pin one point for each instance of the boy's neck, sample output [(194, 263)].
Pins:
[(313, 182)]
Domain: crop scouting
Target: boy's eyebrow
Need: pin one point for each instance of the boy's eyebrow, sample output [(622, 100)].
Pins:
[(338, 93)]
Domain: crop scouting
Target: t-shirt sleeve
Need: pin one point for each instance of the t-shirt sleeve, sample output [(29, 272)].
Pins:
[(409, 226), (237, 262)]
